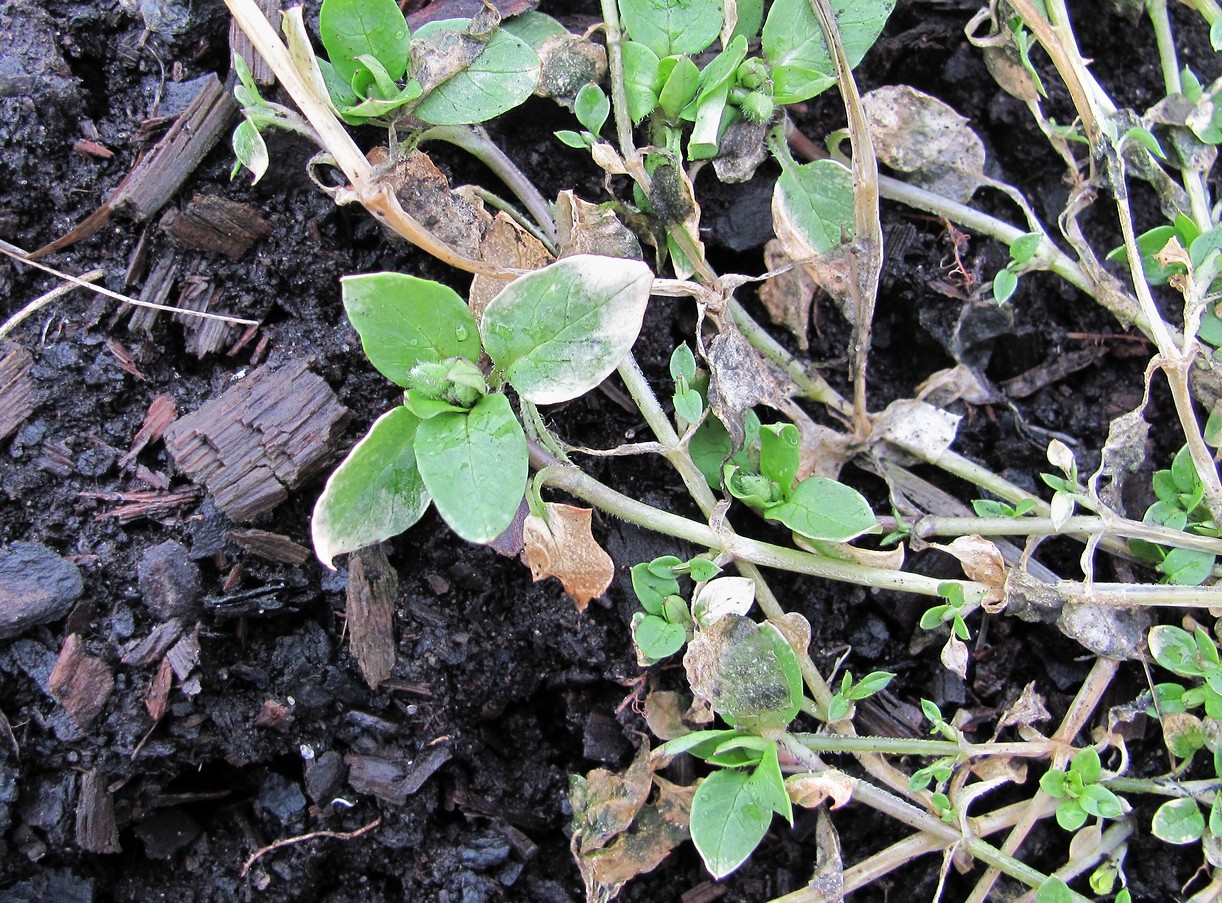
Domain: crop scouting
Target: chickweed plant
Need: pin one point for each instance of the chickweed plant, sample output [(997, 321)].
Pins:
[(657, 91)]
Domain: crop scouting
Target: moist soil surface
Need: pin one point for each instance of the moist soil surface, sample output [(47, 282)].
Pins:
[(501, 689)]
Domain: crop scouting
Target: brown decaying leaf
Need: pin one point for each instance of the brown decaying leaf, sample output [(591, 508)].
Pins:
[(605, 803), (739, 379), (982, 562), (509, 245), (425, 193), (831, 270), (664, 714), (922, 136), (955, 656), (810, 790), (587, 228), (561, 545), (789, 295)]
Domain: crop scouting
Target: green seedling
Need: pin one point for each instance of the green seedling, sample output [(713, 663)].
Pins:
[(949, 612), (456, 442), (1080, 792), (1180, 506), (1022, 252), (841, 705), (992, 508)]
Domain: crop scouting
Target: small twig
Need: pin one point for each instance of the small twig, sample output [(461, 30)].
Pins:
[(43, 300), (82, 282), (313, 835)]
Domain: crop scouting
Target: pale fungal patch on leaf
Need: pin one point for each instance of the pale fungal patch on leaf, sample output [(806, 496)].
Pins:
[(723, 596), (561, 545), (924, 137), (558, 332), (813, 217)]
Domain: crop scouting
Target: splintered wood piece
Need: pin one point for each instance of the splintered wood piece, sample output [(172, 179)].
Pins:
[(156, 290), (261, 438), (159, 175), (211, 223), (161, 414), (16, 390), (184, 655), (392, 781), (157, 699), (80, 682), (372, 587), (96, 831), (270, 546), (140, 504), (204, 337), (154, 646)]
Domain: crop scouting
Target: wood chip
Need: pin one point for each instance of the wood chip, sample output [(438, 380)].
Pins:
[(17, 397), (161, 414), (156, 290), (372, 588), (96, 831), (204, 336), (159, 175), (261, 438), (211, 223), (184, 655), (154, 646), (239, 44), (270, 546), (391, 781), (274, 716), (157, 699), (140, 505), (80, 682)]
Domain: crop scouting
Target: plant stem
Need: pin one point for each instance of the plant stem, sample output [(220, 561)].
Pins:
[(930, 525), (919, 746), (1157, 11)]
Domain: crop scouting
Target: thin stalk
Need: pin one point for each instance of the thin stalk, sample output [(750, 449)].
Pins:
[(619, 96), (1157, 11), (907, 814), (476, 141), (1204, 789), (1078, 526), (866, 250), (919, 746), (1131, 595), (43, 300), (1080, 710)]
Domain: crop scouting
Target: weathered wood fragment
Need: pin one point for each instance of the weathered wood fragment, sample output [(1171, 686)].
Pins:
[(157, 699), (141, 504), (161, 414), (159, 175), (80, 682), (156, 290), (261, 438), (154, 646), (270, 546), (372, 588), (239, 44), (211, 223), (96, 831), (204, 336), (17, 397), (393, 781)]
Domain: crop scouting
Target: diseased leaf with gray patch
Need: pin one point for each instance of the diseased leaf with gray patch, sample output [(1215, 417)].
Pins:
[(474, 465), (558, 332), (376, 493), (403, 320), (747, 671), (920, 135), (470, 78)]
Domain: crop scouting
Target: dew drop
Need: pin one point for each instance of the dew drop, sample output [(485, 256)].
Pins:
[(460, 333)]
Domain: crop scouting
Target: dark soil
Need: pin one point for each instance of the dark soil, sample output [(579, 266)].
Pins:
[(501, 689)]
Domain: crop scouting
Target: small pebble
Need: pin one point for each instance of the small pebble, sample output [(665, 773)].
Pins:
[(169, 581), (36, 587)]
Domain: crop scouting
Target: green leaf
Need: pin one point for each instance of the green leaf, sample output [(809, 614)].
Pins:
[(1146, 139), (657, 638), (689, 405), (376, 493), (750, 18), (1023, 248), (1071, 815), (474, 465), (559, 331), (249, 150), (698, 743), (934, 617), (1184, 472), (578, 140), (874, 682), (1149, 244), (1215, 34), (768, 784), (641, 81), (1097, 800), (702, 570), (728, 821), (817, 201), (377, 107), (1053, 890), (1211, 330), (351, 28), (793, 43), (779, 454), (1053, 784), (591, 107), (403, 320), (710, 446), (820, 508), (1086, 765), (651, 588), (682, 363), (1178, 821), (682, 83), (1004, 284), (1187, 567), (499, 78), (838, 708), (673, 26), (1174, 649)]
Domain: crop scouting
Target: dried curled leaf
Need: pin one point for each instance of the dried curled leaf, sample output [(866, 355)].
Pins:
[(561, 545), (922, 136), (810, 790), (505, 244), (982, 562), (789, 295)]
